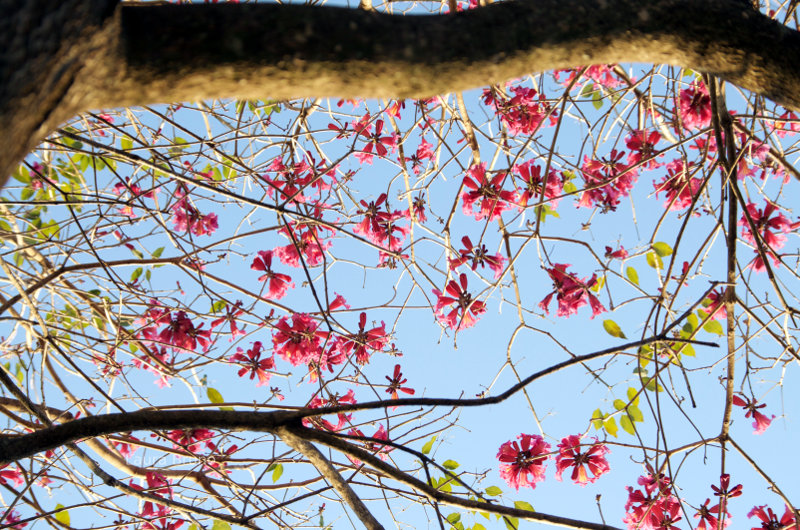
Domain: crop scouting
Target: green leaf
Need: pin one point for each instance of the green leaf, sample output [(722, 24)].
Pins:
[(713, 326), (220, 525), (522, 505), (157, 252), (428, 446), (619, 404), (611, 426), (654, 260), (512, 523), (478, 526), (597, 99), (632, 395), (215, 397), (136, 274), (218, 306), (662, 249), (125, 143), (635, 413), (597, 419), (627, 424), (62, 515), (453, 518), (632, 275), (137, 253), (613, 329), (493, 491), (277, 472), (450, 464)]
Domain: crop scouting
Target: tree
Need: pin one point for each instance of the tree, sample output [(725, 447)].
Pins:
[(232, 312)]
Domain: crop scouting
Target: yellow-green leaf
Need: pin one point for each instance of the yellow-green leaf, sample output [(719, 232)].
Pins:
[(450, 464), (597, 419), (428, 446), (619, 404), (654, 260), (493, 491), (215, 397), (62, 515), (632, 275), (635, 413), (627, 424), (277, 471), (632, 395), (611, 426), (220, 525), (662, 249), (522, 505), (613, 329), (713, 326)]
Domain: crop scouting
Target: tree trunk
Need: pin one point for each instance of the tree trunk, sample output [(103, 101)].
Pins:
[(77, 55)]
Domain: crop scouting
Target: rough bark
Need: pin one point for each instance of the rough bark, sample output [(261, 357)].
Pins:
[(76, 55)]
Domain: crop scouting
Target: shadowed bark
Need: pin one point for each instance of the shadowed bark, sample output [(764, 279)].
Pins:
[(63, 58)]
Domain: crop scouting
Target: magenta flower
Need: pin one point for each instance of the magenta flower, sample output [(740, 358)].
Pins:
[(278, 283), (396, 383), (643, 148), (300, 342), (478, 256), (769, 520), (570, 455), (465, 312), (523, 463), (607, 181), (487, 194), (695, 106), (252, 362), (534, 187), (571, 293), (680, 187), (365, 342), (761, 421), (709, 517)]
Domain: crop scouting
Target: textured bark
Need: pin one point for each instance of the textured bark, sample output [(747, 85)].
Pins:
[(95, 57)]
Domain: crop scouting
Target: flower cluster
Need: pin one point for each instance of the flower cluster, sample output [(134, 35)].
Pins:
[(251, 361), (374, 140), (278, 283), (380, 226), (179, 332), (653, 507), (643, 148), (363, 343), (488, 193), (770, 229), (293, 179), (523, 463), (695, 106), (396, 383), (523, 113), (299, 342), (306, 240), (535, 186), (332, 401), (679, 185), (607, 181), (769, 520), (571, 293)]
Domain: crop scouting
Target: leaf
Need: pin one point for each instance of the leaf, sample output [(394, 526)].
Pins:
[(597, 419), (215, 397), (126, 143), (62, 515), (277, 471), (450, 464), (137, 253), (662, 249), (512, 523), (713, 326), (157, 252), (654, 260), (453, 518), (619, 404), (597, 99), (478, 526), (632, 275), (136, 274), (635, 413), (613, 329), (428, 446), (611, 426), (493, 491), (522, 505), (627, 424), (633, 398), (218, 306), (220, 525)]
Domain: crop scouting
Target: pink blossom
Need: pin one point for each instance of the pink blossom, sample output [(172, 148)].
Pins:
[(252, 362), (607, 181), (332, 401), (487, 192), (187, 218), (534, 186), (695, 106), (464, 311), (571, 293), (761, 421), (396, 383), (375, 141), (769, 520), (298, 342), (278, 283), (364, 343), (642, 145), (478, 256), (523, 463), (570, 455), (680, 187)]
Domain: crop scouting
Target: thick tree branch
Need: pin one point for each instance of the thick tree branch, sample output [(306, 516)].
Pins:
[(143, 53)]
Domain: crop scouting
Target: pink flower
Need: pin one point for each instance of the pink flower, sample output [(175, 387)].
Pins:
[(680, 187), (709, 517), (534, 186), (620, 253), (765, 223), (307, 240), (14, 475), (252, 362), (647, 509), (423, 152), (607, 181), (396, 383), (232, 312), (569, 454), (492, 200), (570, 292), (761, 421), (478, 256), (188, 219), (12, 518), (523, 463), (770, 521), (600, 74), (376, 141), (278, 283), (332, 401), (364, 342), (642, 145), (298, 343), (695, 106), (465, 312), (521, 114), (188, 439)]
